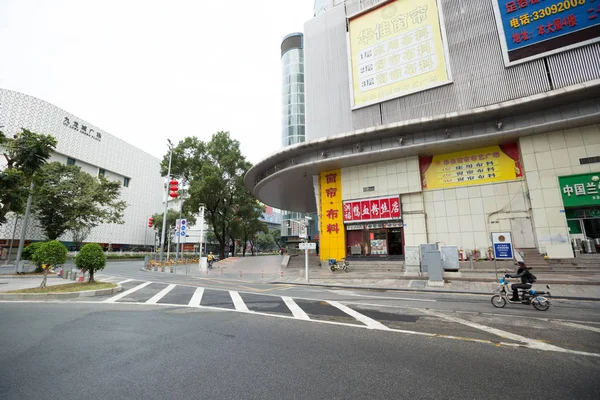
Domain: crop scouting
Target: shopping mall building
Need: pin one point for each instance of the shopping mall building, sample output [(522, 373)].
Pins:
[(97, 152), (443, 121)]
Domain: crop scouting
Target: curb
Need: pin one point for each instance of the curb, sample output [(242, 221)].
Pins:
[(2, 276), (415, 290), (57, 296)]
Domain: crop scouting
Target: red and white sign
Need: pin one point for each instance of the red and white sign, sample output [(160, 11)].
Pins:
[(378, 209)]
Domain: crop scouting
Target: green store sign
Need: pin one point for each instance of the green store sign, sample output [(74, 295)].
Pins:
[(580, 190)]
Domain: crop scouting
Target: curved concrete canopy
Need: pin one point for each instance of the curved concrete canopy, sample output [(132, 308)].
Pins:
[(284, 179)]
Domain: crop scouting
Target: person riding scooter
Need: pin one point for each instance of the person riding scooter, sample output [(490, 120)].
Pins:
[(527, 278), (210, 259)]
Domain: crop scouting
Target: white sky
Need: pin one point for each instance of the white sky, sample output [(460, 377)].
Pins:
[(148, 70)]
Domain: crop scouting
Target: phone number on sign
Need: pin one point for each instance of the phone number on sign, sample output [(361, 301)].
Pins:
[(556, 8)]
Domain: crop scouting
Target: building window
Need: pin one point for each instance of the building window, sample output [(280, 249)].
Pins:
[(70, 161), (101, 172), (126, 182)]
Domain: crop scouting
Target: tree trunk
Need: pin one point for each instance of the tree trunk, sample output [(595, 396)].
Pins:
[(91, 280)]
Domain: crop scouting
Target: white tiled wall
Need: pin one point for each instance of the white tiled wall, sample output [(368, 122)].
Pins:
[(413, 216), (460, 216), (388, 177), (546, 157)]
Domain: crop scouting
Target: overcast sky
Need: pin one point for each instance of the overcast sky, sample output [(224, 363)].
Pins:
[(148, 70)]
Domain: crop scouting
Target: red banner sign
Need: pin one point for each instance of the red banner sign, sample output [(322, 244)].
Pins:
[(381, 208)]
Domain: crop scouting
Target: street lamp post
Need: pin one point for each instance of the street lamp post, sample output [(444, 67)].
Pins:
[(201, 235), (164, 224)]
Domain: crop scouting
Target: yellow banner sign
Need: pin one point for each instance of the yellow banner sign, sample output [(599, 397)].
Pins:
[(471, 167), (395, 50), (331, 216)]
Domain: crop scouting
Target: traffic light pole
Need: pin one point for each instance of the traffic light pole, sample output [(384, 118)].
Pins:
[(164, 224)]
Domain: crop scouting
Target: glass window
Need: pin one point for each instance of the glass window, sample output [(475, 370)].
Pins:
[(126, 182), (101, 172), (70, 161)]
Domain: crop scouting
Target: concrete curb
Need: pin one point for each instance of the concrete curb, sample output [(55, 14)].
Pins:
[(58, 296), (415, 290), (470, 279)]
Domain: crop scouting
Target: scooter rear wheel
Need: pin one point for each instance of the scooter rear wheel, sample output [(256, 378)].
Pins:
[(541, 305), (332, 268), (498, 301)]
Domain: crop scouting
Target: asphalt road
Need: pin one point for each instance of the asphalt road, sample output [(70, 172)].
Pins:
[(97, 351), (561, 309)]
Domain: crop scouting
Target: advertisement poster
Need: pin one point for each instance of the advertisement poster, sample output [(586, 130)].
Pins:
[(531, 29), (396, 49), (471, 167)]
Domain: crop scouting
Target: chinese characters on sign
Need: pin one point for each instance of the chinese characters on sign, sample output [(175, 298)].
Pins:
[(381, 208), (396, 49), (486, 165), (81, 128), (580, 190), (528, 23), (332, 234)]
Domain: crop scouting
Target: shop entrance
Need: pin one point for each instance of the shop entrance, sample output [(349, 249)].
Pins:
[(584, 221), (375, 240)]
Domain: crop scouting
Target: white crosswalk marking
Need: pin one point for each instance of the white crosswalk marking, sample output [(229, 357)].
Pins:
[(238, 302), (369, 322), (126, 293), (196, 298), (160, 294), (295, 308), (125, 281)]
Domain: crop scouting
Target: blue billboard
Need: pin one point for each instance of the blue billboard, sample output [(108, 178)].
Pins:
[(531, 29)]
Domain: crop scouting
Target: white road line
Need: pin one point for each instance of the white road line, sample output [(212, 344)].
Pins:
[(237, 301), (531, 343), (125, 281), (127, 292), (160, 294), (196, 298), (578, 326), (297, 312), (370, 322)]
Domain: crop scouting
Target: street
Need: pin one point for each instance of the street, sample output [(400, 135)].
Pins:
[(177, 336)]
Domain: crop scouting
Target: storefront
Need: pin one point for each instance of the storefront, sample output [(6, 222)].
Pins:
[(581, 199), (374, 227)]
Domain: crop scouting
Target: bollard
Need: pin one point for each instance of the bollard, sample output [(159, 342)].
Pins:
[(221, 268), (281, 274), (262, 274), (240, 273)]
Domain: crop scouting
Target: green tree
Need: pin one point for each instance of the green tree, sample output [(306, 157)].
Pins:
[(67, 198), (214, 172), (25, 154), (246, 224), (50, 253), (265, 242), (276, 235), (91, 258), (172, 217), (29, 253)]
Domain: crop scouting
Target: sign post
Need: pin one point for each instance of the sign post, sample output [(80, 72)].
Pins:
[(306, 246), (503, 248)]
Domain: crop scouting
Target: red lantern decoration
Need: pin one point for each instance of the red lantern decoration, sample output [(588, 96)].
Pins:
[(150, 222), (173, 189)]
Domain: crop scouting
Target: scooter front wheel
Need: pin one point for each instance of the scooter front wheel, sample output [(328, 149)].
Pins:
[(332, 268), (498, 301)]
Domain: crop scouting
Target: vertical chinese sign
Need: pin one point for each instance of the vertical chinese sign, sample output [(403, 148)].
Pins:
[(396, 49), (471, 167), (531, 29), (331, 218)]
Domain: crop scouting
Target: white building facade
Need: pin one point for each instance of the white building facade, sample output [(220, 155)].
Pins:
[(469, 116), (96, 152)]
